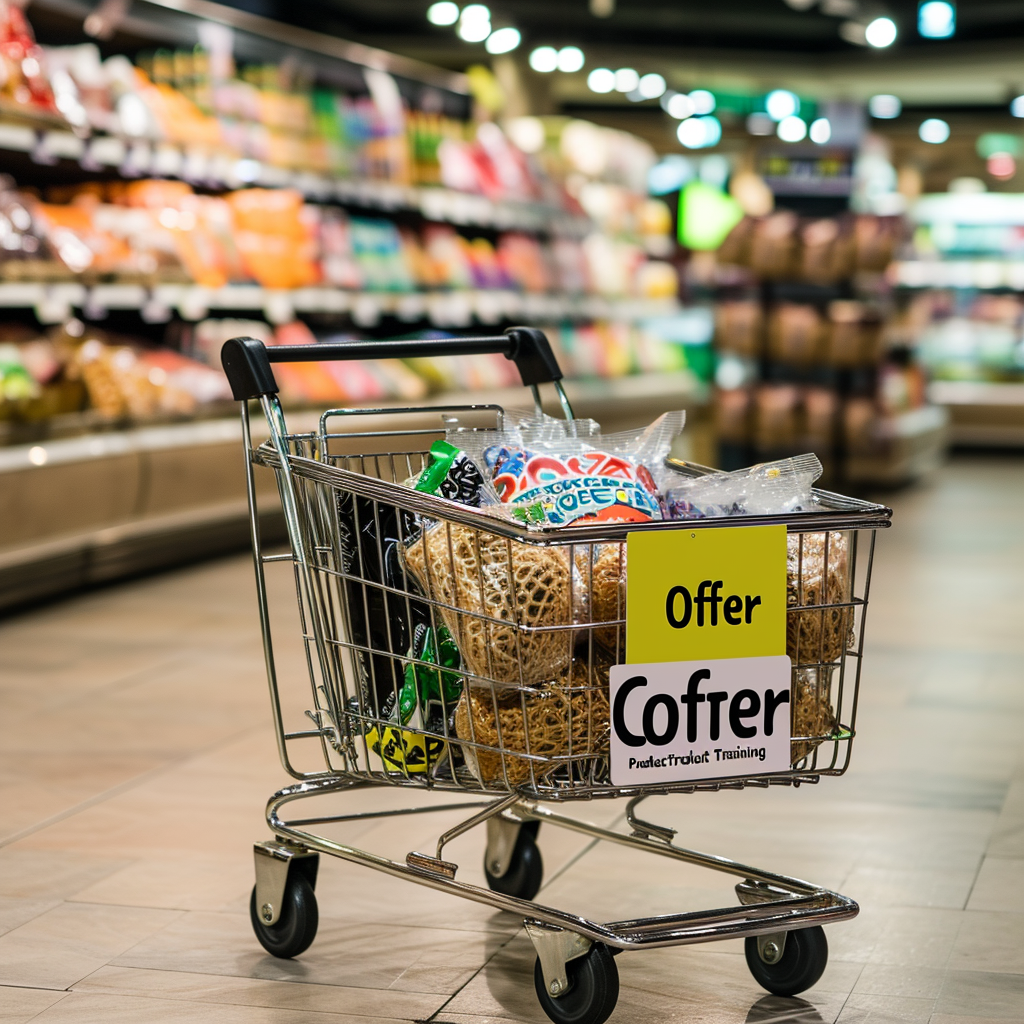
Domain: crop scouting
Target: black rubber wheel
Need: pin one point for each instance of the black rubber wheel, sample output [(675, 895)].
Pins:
[(803, 962), (592, 993), (525, 869), (296, 927)]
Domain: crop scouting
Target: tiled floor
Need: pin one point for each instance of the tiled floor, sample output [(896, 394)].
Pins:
[(136, 756)]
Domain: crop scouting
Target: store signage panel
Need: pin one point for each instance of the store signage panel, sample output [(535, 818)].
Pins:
[(705, 691)]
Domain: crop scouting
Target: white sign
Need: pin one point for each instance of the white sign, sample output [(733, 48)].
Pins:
[(685, 720)]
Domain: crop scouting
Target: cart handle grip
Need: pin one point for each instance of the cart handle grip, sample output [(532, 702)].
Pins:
[(247, 361)]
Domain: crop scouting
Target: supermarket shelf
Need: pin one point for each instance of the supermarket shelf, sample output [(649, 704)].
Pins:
[(982, 274), (173, 19), (54, 303), (983, 414), (154, 496), (138, 158), (905, 448)]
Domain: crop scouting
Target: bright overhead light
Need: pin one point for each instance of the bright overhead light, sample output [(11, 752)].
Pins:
[(699, 132), (820, 131), (1017, 106), (570, 59), (626, 80), (792, 129), (503, 40), (880, 33), (474, 23), (936, 20), (781, 104), (934, 130), (544, 59), (444, 13), (703, 101), (680, 106), (651, 86), (885, 107), (601, 80)]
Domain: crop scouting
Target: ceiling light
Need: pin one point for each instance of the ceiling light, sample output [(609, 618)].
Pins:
[(680, 106), (544, 59), (936, 20), (934, 130), (801, 5), (474, 23), (651, 86), (792, 129), (820, 131), (570, 59), (626, 80), (1017, 106), (699, 132), (781, 104), (444, 13), (885, 107), (703, 101), (601, 80), (880, 33), (760, 124), (503, 40)]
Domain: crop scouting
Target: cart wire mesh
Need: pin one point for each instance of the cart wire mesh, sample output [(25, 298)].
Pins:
[(454, 649)]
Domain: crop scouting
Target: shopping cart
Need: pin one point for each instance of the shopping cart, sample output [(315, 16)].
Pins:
[(452, 649)]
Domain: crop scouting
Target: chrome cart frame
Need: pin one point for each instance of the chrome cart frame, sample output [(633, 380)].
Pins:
[(348, 589)]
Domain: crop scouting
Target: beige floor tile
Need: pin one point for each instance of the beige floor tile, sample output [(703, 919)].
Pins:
[(62, 946), (909, 886), (34, 874), (20, 1005), (888, 1009), (916, 938), (909, 982), (14, 912), (975, 993), (185, 883), (206, 988), (945, 1018), (381, 956), (89, 1008), (990, 941), (998, 886)]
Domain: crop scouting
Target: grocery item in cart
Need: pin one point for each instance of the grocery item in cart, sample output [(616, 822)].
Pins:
[(565, 720), (770, 488), (567, 480), (494, 596), (818, 574)]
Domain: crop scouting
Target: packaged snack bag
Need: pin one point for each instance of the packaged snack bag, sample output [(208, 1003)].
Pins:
[(565, 480)]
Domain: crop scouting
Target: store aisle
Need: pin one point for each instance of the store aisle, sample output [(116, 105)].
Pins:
[(135, 758)]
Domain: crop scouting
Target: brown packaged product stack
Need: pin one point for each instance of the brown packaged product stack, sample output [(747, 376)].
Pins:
[(794, 334), (774, 248), (738, 327)]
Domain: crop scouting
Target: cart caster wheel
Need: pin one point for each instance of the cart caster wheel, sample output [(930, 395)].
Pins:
[(803, 962), (525, 870), (296, 927), (592, 993)]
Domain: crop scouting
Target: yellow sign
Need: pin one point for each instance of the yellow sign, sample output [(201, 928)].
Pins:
[(699, 594)]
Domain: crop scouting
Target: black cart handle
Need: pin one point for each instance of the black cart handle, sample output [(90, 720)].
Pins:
[(246, 361)]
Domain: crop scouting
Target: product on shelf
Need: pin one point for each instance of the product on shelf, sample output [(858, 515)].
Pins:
[(782, 246), (75, 368)]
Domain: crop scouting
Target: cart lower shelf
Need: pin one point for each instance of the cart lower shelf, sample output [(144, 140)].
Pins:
[(576, 976)]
